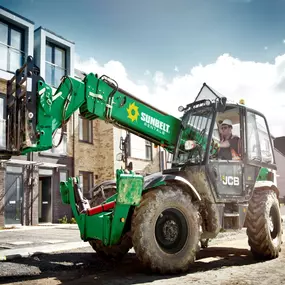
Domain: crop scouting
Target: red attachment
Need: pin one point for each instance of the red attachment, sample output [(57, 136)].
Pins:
[(100, 208)]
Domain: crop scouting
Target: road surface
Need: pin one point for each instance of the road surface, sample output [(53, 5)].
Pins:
[(226, 262)]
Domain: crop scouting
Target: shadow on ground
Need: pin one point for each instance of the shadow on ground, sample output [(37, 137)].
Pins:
[(69, 267)]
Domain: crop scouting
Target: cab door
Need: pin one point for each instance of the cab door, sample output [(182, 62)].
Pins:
[(227, 176), (259, 148)]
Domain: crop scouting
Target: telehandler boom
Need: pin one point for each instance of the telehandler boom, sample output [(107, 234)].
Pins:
[(223, 173)]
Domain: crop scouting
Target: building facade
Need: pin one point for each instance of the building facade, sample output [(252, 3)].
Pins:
[(29, 184)]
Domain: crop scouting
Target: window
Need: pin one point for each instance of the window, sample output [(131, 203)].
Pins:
[(2, 123), (55, 64), (11, 47), (63, 175), (258, 139), (85, 130), (148, 150), (86, 182)]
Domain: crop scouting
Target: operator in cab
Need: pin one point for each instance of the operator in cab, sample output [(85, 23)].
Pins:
[(229, 144)]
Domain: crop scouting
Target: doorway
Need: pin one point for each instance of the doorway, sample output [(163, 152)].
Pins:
[(13, 198), (45, 199)]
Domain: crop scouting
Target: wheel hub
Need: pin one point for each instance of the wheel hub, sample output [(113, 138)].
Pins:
[(171, 230)]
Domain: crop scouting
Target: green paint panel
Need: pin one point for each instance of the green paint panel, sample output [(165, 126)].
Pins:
[(97, 99), (54, 110), (129, 188), (130, 112), (263, 174), (97, 226), (118, 223), (129, 191)]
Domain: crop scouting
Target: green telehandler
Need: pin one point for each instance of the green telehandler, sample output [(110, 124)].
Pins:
[(222, 177)]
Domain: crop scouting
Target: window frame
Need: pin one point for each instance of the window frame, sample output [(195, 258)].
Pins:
[(53, 46), (65, 171), (80, 124), (247, 159), (81, 173), (8, 44), (4, 98), (148, 145)]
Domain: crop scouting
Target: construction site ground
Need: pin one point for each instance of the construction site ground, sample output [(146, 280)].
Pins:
[(226, 261)]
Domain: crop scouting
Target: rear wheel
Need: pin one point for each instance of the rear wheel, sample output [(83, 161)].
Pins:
[(165, 230), (264, 227)]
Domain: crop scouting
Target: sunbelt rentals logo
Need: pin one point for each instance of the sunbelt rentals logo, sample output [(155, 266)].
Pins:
[(153, 123)]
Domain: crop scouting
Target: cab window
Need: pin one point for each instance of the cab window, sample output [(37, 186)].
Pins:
[(258, 139)]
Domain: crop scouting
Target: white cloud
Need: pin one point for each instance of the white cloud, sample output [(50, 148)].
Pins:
[(261, 85), (266, 48), (176, 69)]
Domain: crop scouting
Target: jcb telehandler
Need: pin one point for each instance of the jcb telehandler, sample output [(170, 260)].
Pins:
[(223, 173)]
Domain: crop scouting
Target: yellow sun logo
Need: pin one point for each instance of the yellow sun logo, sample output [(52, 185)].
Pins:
[(133, 112)]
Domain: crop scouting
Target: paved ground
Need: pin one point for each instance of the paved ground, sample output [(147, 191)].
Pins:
[(26, 241), (66, 259), (226, 262)]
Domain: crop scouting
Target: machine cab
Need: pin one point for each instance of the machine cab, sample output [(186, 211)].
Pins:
[(231, 141)]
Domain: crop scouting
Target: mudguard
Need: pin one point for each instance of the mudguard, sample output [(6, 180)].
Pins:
[(260, 185), (158, 179)]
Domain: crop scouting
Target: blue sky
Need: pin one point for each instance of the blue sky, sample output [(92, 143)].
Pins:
[(235, 46), (161, 34)]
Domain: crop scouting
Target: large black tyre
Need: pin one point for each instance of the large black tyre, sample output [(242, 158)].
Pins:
[(114, 252), (165, 230), (264, 227)]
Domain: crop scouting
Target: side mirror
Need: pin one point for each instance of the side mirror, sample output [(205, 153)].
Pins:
[(189, 144)]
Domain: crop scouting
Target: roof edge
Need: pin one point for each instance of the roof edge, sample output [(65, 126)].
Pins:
[(53, 33), (16, 14)]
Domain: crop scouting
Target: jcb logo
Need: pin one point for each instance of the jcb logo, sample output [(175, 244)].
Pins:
[(230, 180)]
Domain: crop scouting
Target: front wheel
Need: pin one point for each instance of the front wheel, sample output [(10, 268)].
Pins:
[(264, 227), (165, 230)]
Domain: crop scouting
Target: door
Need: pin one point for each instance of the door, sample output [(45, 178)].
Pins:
[(259, 147), (226, 168), (45, 199), (227, 177), (13, 198)]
